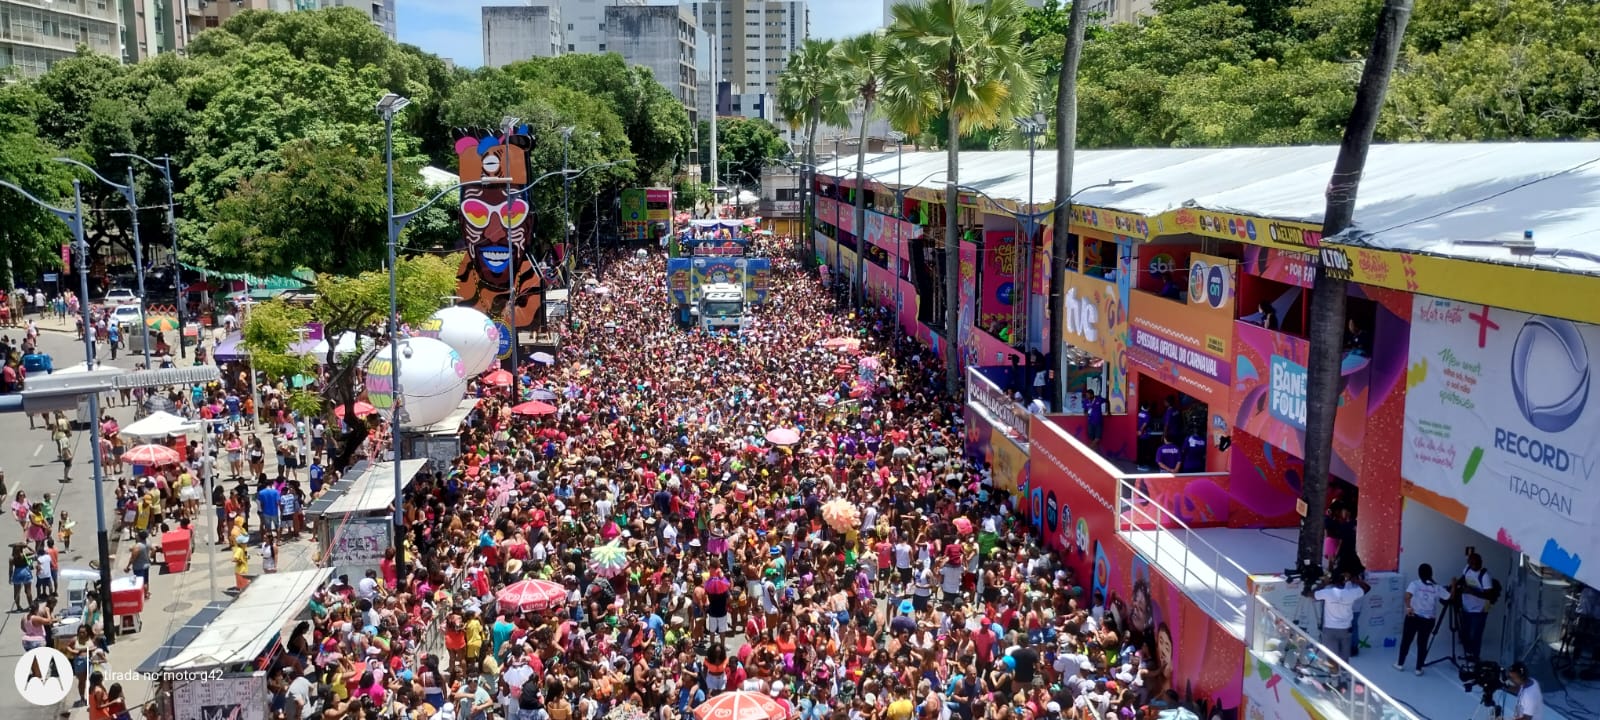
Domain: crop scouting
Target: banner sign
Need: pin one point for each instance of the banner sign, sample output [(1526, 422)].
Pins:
[(999, 277), (1269, 396), (1009, 418), (1008, 467), (1096, 321), (1498, 419), (828, 211), (359, 544), (658, 205), (634, 214), (847, 216), (757, 279), (1186, 346), (678, 280), (1289, 268), (1071, 494), (707, 271), (230, 697), (1213, 283), (715, 247), (890, 233)]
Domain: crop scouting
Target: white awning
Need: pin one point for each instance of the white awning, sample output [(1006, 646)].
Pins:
[(554, 296), (243, 631), (160, 424), (373, 490), (451, 424)]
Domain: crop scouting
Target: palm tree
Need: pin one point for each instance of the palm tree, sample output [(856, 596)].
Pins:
[(808, 97), (971, 68), (860, 61)]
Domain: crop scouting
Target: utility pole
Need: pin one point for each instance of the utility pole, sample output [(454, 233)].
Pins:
[(1066, 147), (1328, 292)]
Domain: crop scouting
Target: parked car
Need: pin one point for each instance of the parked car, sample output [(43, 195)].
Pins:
[(121, 296), (126, 315)]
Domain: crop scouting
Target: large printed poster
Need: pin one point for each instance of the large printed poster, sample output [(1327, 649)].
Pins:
[(999, 291), (1096, 321), (495, 232), (1498, 419), (1185, 346)]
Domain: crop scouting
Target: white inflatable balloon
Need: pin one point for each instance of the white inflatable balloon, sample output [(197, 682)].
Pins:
[(470, 332), (433, 379)]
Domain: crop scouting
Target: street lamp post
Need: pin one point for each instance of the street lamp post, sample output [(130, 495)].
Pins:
[(1033, 127), (165, 168), (389, 106), (127, 192), (566, 196), (74, 220)]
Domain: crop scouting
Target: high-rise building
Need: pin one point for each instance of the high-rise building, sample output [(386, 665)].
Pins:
[(520, 32), (212, 13), (381, 11), (751, 41), (1109, 12), (152, 27), (34, 34), (584, 24), (659, 37)]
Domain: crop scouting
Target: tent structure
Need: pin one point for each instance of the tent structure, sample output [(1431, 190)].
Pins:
[(160, 424), (348, 343), (374, 489), (247, 627)]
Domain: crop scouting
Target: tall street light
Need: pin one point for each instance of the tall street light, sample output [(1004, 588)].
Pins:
[(389, 106), (165, 168), (566, 197), (127, 192), (74, 220), (1033, 127)]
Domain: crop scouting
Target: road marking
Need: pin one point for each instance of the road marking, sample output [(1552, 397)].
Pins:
[(37, 450)]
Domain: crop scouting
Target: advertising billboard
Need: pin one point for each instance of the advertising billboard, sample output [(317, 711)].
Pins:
[(1498, 419), (495, 229), (1185, 346), (1096, 321), (634, 215)]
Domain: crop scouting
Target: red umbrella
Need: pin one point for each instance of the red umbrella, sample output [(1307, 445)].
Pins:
[(362, 410), (497, 377), (151, 454), (740, 705), (533, 408), (531, 595)]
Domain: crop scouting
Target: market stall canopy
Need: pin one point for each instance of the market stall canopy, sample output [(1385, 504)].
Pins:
[(373, 490), (243, 631), (297, 279), (1470, 201), (181, 637), (160, 424), (451, 425)]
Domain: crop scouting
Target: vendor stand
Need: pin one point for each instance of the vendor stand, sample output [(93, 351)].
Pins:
[(356, 526)]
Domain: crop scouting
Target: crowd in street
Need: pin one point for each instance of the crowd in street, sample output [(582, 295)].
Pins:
[(930, 600), (726, 563)]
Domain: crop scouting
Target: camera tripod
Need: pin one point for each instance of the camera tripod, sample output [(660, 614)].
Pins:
[(1488, 709), (1451, 616)]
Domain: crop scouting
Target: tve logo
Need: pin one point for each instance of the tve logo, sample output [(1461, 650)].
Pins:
[(1287, 401), (1082, 316)]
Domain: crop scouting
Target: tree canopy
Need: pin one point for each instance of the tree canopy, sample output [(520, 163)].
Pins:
[(744, 147), (278, 154)]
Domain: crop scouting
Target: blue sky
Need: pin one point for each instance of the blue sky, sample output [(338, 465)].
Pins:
[(451, 28)]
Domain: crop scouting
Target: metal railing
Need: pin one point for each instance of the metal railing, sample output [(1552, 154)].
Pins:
[(1318, 677), (1139, 513)]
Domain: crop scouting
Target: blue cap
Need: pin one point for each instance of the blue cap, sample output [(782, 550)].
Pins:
[(906, 608)]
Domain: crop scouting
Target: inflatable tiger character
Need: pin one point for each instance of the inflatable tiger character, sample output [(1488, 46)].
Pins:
[(494, 219)]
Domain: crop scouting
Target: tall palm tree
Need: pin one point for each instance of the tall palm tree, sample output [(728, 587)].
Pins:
[(974, 71), (860, 62), (808, 97)]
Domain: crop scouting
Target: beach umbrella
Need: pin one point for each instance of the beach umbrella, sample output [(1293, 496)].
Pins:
[(608, 560), (740, 705), (838, 342), (363, 409), (161, 323), (841, 515), (151, 455), (542, 394), (543, 358), (500, 378), (531, 595), (533, 408), (783, 436)]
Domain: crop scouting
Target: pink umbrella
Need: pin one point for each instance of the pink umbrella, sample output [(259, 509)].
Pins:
[(498, 377), (151, 455), (531, 595), (363, 409), (534, 408), (783, 436), (740, 705)]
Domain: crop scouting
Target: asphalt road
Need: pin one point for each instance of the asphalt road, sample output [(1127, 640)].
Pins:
[(29, 459)]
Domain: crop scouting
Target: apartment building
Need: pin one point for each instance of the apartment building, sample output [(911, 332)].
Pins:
[(752, 41), (34, 34), (519, 32), (659, 37)]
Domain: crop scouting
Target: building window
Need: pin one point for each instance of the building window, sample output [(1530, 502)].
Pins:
[(571, 47), (602, 49)]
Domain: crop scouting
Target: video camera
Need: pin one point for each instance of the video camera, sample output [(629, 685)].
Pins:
[(1310, 573), (1487, 675)]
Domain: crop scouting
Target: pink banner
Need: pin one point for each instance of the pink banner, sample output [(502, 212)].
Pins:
[(1288, 268), (889, 233), (828, 211), (847, 217), (999, 289)]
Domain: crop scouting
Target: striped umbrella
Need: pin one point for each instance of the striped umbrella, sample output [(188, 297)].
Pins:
[(608, 560), (531, 595), (740, 705), (161, 323)]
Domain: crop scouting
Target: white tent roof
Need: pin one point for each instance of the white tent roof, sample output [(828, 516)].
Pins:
[(349, 343), (244, 630), (436, 178), (159, 424), (374, 489), (1448, 199)]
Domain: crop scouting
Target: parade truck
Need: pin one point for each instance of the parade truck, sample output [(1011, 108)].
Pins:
[(712, 281)]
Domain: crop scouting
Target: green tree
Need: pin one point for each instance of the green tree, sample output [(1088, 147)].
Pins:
[(744, 147), (808, 98), (30, 236), (358, 304), (861, 61), (973, 69)]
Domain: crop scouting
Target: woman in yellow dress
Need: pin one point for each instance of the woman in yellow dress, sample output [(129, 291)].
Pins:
[(241, 561)]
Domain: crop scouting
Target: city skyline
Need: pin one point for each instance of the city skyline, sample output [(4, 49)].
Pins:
[(452, 28)]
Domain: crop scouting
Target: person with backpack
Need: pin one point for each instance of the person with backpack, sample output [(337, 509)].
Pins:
[(1478, 591)]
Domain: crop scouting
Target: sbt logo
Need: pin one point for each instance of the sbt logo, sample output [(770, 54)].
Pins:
[(1082, 316), (1287, 402)]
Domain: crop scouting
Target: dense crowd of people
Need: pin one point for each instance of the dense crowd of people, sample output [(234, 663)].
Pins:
[(926, 599), (929, 601)]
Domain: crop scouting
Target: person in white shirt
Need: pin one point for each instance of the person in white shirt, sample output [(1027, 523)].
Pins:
[(1339, 600), (1530, 699), (1422, 608), (1475, 585)]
